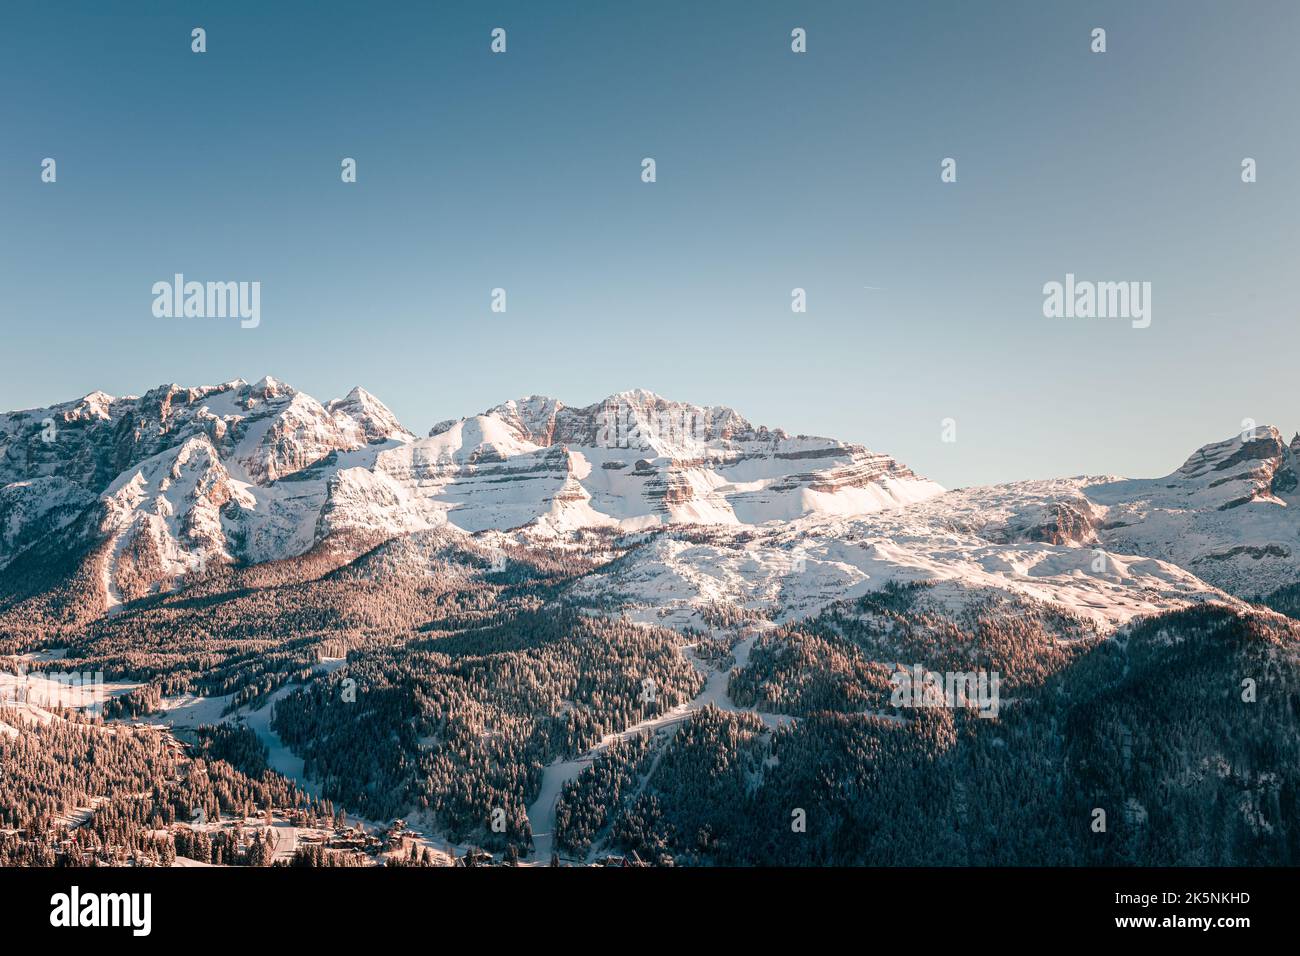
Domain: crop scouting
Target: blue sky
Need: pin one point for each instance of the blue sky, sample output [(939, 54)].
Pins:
[(775, 170)]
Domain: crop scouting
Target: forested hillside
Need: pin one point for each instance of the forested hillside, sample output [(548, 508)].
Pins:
[(1151, 728)]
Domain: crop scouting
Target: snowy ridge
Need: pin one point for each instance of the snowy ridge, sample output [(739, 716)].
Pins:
[(795, 571)]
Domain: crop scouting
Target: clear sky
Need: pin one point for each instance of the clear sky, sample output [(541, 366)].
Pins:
[(775, 170)]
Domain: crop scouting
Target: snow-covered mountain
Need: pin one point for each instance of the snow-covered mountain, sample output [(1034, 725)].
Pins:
[(184, 477), (179, 477)]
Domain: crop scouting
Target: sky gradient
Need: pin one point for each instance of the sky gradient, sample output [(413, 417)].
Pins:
[(775, 171)]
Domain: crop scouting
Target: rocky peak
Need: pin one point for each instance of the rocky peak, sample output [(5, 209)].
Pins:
[(95, 405), (1262, 447), (368, 415), (268, 389), (531, 419), (1242, 468)]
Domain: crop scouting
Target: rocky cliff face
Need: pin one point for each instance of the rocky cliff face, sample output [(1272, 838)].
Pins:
[(1240, 470), (635, 419), (671, 461)]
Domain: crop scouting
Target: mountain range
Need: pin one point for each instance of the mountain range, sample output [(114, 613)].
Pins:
[(158, 487)]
